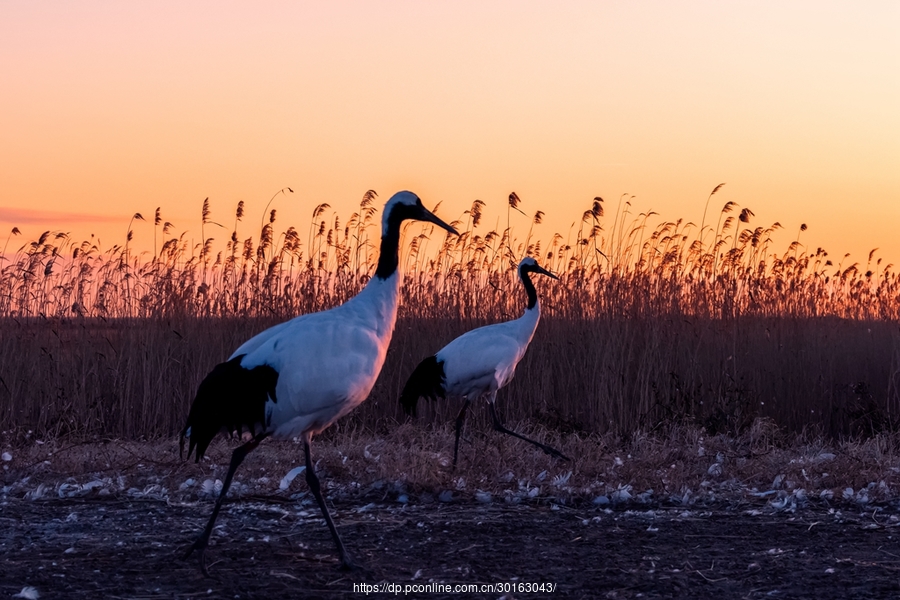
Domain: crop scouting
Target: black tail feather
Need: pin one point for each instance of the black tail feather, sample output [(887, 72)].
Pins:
[(231, 399), (426, 381)]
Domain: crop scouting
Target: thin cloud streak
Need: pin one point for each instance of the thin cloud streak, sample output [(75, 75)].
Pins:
[(26, 216)]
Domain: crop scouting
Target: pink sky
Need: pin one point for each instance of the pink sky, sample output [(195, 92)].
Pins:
[(112, 108)]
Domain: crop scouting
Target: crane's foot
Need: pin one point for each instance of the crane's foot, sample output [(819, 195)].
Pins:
[(555, 453), (348, 565), (200, 547)]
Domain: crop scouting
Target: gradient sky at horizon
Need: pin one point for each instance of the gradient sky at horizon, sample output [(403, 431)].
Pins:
[(114, 108)]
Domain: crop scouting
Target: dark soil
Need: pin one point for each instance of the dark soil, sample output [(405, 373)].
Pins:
[(273, 548)]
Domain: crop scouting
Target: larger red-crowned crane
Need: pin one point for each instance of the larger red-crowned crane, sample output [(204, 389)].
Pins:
[(299, 377)]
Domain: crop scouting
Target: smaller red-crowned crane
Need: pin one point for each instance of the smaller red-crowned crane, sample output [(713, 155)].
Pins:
[(480, 362)]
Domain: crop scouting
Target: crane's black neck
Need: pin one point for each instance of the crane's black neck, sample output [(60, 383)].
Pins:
[(529, 289), (389, 254)]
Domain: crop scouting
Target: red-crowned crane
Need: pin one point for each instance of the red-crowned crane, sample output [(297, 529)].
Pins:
[(299, 377), (480, 362)]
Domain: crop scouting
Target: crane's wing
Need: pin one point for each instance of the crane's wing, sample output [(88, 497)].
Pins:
[(261, 338), (231, 398), (481, 361), (426, 381)]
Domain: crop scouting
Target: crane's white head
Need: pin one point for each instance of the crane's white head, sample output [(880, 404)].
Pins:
[(406, 205), (529, 265)]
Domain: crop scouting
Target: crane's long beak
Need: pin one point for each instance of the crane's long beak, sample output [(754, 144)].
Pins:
[(544, 271), (427, 215)]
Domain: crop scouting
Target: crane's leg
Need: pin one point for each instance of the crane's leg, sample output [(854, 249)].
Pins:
[(313, 482), (237, 457), (460, 420), (498, 426)]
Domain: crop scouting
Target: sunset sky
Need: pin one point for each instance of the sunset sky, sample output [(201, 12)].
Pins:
[(112, 108)]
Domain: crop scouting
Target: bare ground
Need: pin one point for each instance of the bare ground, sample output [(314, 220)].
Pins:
[(114, 519), (266, 548)]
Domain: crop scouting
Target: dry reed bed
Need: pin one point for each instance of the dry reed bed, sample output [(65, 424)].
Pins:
[(682, 466), (135, 380), (650, 325), (627, 266)]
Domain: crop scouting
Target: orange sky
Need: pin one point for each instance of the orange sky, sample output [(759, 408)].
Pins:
[(109, 108)]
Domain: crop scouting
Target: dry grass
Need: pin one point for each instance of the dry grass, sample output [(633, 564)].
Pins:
[(683, 466), (654, 323), (135, 380)]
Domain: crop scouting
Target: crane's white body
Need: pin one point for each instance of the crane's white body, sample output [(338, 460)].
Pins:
[(483, 360), (327, 361)]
